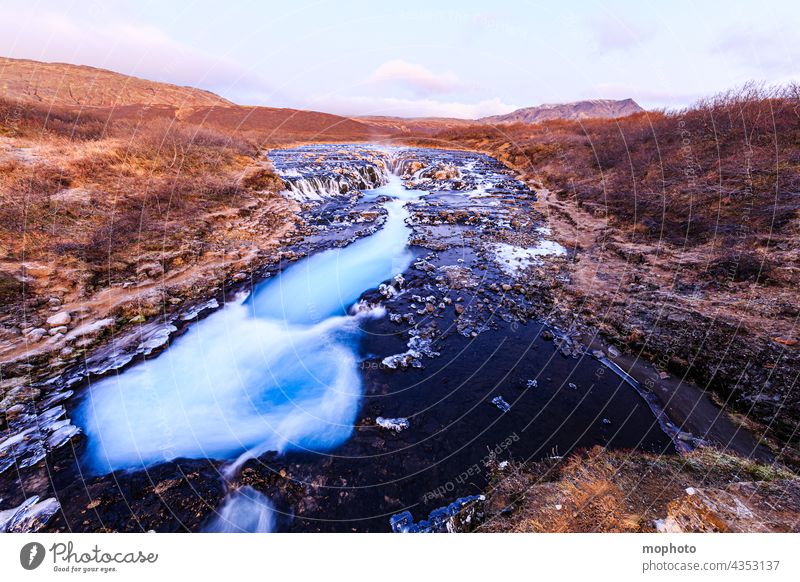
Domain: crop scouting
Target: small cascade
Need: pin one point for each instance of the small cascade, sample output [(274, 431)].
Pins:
[(331, 172), (244, 510), (406, 164)]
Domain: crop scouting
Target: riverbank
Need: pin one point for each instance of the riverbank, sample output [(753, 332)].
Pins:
[(460, 373)]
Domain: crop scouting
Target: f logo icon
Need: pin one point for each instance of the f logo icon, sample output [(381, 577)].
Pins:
[(31, 555)]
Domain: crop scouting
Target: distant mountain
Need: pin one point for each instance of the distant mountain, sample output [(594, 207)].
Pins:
[(592, 108), (64, 85)]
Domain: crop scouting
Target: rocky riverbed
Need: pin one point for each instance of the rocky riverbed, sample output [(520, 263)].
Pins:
[(470, 365)]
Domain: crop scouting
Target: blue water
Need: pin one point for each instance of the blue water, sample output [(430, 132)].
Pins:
[(244, 511), (275, 371)]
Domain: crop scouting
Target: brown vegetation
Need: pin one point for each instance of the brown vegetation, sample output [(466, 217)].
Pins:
[(61, 84), (619, 491), (90, 206)]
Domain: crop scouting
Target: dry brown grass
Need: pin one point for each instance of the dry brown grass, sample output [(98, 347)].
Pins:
[(75, 188), (725, 171), (609, 491), (594, 502)]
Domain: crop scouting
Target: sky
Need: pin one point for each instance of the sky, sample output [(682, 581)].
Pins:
[(463, 58)]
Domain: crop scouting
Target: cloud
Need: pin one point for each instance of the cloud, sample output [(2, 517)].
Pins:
[(108, 41), (418, 78), (774, 52), (613, 33), (362, 106)]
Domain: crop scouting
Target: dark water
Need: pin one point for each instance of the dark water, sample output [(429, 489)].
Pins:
[(454, 427)]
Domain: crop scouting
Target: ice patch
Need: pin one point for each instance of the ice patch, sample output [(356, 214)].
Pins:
[(395, 424), (500, 403), (513, 260)]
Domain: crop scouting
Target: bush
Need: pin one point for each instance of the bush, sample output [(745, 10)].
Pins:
[(18, 118), (10, 290), (741, 267)]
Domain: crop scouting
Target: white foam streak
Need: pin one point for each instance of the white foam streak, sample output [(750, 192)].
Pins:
[(276, 371)]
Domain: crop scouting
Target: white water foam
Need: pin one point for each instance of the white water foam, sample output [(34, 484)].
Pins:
[(244, 511), (276, 371)]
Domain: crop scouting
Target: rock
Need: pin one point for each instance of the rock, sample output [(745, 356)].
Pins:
[(459, 309), (58, 330), (506, 287), (78, 196), (461, 515), (169, 497), (59, 319), (547, 335), (30, 516), (387, 291), (751, 506), (500, 403), (36, 334), (405, 360), (151, 269), (14, 411), (20, 395), (785, 341), (89, 332), (196, 310)]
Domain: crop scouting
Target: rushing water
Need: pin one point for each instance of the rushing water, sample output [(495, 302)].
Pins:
[(244, 511), (277, 370)]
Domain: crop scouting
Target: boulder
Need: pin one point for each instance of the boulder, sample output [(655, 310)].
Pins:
[(59, 319)]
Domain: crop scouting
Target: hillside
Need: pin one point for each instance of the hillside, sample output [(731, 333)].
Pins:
[(415, 125), (277, 125), (61, 84), (591, 109), (109, 97)]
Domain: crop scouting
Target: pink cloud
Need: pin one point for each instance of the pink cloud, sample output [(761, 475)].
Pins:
[(416, 77)]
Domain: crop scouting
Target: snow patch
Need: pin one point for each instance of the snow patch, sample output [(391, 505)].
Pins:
[(513, 259)]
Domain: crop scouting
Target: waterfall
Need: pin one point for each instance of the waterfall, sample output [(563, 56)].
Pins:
[(339, 176)]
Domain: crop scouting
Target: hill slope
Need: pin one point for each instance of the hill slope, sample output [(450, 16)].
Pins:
[(64, 85), (110, 96), (593, 108)]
